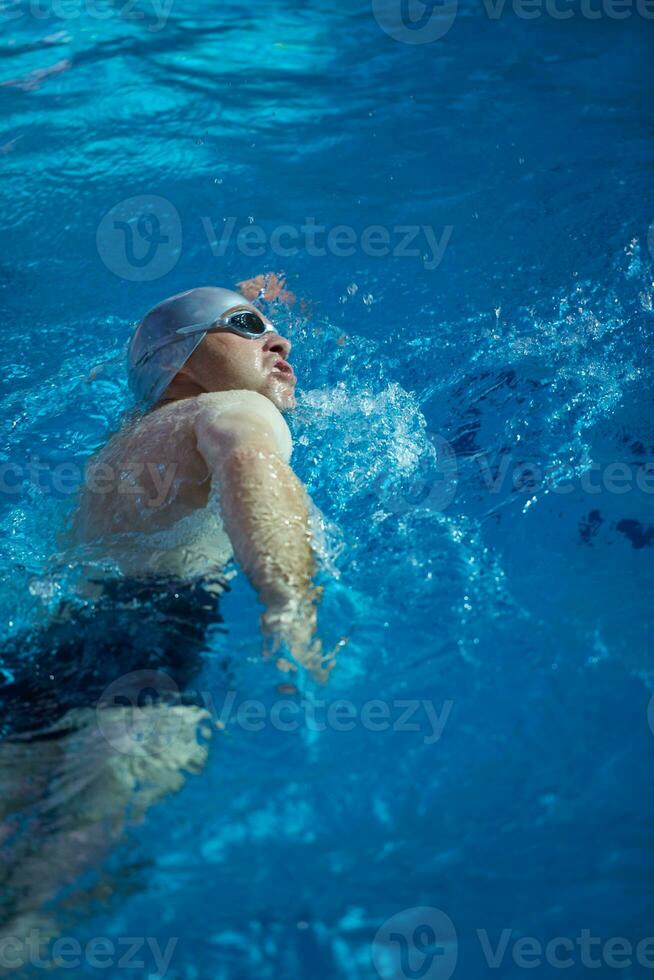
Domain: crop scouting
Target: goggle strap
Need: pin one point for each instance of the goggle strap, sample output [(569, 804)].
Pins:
[(221, 321), (196, 328)]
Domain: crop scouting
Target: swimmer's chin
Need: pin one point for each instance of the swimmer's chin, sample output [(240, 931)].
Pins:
[(282, 395)]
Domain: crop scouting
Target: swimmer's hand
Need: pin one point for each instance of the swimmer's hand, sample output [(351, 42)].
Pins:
[(271, 286), (293, 624)]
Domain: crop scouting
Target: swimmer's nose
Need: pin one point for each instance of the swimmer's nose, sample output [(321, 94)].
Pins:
[(278, 345)]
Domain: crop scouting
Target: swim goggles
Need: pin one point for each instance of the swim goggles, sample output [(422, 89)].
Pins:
[(244, 322)]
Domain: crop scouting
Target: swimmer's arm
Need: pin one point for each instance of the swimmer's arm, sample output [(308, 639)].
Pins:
[(265, 512)]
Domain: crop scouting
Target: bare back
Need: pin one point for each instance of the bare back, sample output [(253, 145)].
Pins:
[(149, 501)]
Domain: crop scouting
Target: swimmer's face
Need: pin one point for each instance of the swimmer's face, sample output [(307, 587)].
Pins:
[(225, 362)]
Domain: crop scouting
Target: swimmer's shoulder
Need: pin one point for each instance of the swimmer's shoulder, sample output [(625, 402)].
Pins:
[(165, 428), (189, 417), (246, 404)]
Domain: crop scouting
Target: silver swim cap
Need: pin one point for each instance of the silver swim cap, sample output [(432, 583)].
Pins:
[(158, 351)]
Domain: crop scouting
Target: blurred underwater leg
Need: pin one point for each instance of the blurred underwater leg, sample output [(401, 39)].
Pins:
[(97, 729)]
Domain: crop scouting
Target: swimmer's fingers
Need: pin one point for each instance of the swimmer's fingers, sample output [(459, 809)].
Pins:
[(251, 288), (275, 289), (293, 627), (270, 646), (310, 656), (312, 659), (304, 651), (318, 662), (270, 286), (271, 643), (328, 660)]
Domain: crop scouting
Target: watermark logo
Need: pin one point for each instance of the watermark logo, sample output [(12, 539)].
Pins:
[(140, 238), (421, 944), (432, 489), (416, 944), (415, 21), (130, 713)]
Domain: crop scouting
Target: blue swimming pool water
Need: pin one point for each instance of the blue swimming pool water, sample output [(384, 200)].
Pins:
[(475, 424)]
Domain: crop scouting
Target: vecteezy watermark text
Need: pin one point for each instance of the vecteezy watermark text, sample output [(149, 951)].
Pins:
[(140, 239), (317, 240), (424, 21), (563, 952), (423, 942), (144, 706), (154, 12), (153, 482), (565, 9), (435, 490), (44, 952), (616, 477), (150, 481)]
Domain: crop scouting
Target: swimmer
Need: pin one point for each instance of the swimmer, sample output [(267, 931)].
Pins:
[(203, 472), (199, 474)]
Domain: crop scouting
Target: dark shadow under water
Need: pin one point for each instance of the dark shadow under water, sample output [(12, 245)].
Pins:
[(96, 727)]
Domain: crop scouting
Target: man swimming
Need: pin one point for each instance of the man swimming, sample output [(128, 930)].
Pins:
[(200, 474), (203, 473)]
